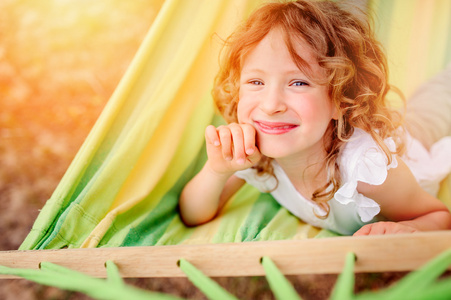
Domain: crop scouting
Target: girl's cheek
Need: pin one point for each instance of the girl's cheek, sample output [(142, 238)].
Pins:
[(247, 102), (239, 113)]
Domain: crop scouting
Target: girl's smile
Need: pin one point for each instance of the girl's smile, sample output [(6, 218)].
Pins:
[(274, 127)]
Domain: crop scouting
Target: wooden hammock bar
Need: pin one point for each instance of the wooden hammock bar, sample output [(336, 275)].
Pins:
[(404, 252)]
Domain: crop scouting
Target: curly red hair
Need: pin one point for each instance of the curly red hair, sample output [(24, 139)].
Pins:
[(354, 63)]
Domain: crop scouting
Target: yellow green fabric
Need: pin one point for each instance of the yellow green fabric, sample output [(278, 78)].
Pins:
[(417, 37), (123, 186)]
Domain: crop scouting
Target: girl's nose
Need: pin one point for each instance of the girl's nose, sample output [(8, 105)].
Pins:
[(272, 102)]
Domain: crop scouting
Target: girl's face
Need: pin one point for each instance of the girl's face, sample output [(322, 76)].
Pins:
[(289, 112)]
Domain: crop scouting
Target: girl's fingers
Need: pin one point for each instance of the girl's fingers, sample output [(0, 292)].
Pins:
[(249, 139), (233, 142), (252, 152), (365, 230), (211, 136), (238, 143), (375, 229), (225, 137)]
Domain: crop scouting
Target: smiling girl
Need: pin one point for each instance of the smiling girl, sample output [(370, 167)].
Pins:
[(303, 88)]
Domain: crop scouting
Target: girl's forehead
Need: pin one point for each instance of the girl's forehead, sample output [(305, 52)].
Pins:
[(278, 43)]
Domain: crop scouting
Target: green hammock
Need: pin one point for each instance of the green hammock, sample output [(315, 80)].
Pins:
[(122, 187)]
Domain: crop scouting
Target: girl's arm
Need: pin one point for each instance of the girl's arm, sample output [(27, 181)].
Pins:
[(205, 195), (405, 203), (229, 148)]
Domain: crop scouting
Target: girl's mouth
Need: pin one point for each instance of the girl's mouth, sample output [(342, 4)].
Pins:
[(275, 127)]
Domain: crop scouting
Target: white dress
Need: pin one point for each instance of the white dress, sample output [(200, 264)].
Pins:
[(361, 160)]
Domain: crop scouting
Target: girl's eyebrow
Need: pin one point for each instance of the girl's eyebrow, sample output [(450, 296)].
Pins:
[(253, 70), (293, 72)]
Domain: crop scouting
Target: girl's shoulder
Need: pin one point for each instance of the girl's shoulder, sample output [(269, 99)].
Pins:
[(362, 153), (362, 160)]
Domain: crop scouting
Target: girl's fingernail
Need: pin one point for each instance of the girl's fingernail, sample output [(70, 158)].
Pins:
[(216, 143), (240, 161), (249, 151), (229, 158)]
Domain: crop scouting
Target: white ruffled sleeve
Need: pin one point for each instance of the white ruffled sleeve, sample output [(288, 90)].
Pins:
[(265, 183), (363, 160)]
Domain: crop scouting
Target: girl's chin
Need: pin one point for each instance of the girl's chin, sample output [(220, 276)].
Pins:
[(273, 150)]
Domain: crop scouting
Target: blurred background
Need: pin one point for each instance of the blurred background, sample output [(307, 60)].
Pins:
[(60, 61)]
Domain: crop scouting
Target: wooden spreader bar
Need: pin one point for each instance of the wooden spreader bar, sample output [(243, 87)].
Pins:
[(404, 252)]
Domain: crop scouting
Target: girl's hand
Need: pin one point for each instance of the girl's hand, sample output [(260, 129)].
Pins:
[(405, 204), (385, 228), (231, 148)]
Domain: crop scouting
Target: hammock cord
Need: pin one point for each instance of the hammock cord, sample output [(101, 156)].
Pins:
[(208, 286), (113, 274), (344, 288), (279, 284)]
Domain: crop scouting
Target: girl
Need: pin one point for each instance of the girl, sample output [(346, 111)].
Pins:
[(303, 88)]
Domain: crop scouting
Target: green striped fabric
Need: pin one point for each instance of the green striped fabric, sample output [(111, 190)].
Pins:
[(123, 186), (417, 37)]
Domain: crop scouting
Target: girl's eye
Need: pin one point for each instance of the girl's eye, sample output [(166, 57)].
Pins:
[(256, 82), (299, 83)]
